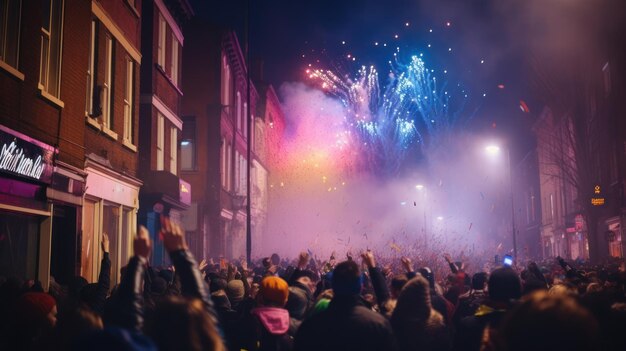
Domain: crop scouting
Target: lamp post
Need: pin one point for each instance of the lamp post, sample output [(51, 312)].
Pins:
[(493, 150)]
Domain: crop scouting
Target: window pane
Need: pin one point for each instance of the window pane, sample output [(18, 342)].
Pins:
[(126, 236), (10, 21), (56, 36), (110, 223), (160, 142), (86, 258)]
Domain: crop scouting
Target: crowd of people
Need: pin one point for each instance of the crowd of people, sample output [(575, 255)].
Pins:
[(357, 303)]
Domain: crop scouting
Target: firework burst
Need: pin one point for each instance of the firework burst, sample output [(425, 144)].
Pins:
[(410, 112)]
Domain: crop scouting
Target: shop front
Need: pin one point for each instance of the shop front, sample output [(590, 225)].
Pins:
[(110, 206), (26, 170)]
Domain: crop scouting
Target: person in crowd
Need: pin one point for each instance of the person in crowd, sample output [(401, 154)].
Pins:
[(547, 322), (469, 302), (416, 325), (266, 327), (346, 324), (504, 288)]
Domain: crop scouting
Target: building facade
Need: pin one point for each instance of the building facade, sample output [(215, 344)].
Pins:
[(528, 206), (42, 99), (217, 128), (164, 191), (111, 199)]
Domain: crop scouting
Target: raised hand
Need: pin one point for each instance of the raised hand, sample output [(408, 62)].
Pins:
[(173, 235), (303, 260), (142, 244), (407, 264), (368, 259), (202, 265), (105, 243)]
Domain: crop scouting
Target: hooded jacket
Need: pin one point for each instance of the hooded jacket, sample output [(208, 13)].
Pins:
[(346, 325), (264, 329), (417, 326)]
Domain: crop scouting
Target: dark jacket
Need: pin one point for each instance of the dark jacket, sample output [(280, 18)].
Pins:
[(416, 325), (346, 325), (470, 329), (127, 303)]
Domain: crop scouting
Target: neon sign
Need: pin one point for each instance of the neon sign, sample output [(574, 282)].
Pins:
[(23, 156)]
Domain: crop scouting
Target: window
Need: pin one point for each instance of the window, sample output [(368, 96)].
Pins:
[(223, 162), (128, 101), (91, 72), (551, 206), (174, 67), (161, 42), (173, 150), (225, 83), (188, 145), (238, 107), (107, 84), (244, 119), (51, 39), (10, 16), (160, 141), (117, 221), (237, 170), (228, 166)]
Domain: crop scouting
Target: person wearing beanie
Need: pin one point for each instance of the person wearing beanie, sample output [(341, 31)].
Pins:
[(416, 325), (504, 288), (35, 318), (235, 292), (266, 327), (346, 324)]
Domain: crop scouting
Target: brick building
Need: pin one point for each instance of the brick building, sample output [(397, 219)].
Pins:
[(216, 131), (110, 110), (42, 101), (164, 192)]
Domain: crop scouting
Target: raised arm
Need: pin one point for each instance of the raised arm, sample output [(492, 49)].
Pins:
[(191, 281)]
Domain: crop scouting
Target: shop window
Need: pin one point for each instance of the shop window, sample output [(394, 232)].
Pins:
[(19, 240), (188, 145), (87, 241), (110, 226)]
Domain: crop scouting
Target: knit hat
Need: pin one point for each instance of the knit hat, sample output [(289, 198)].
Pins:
[(504, 285), (235, 290), (33, 307), (274, 291)]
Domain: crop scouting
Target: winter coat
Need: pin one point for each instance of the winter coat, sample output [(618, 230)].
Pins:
[(264, 329), (416, 325), (469, 333), (346, 325)]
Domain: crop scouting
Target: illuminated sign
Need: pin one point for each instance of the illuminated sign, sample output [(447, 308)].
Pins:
[(184, 189), (597, 201), (25, 157)]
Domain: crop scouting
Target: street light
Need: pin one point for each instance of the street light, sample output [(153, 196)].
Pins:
[(494, 150)]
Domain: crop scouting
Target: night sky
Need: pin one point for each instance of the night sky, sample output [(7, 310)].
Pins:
[(480, 44)]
